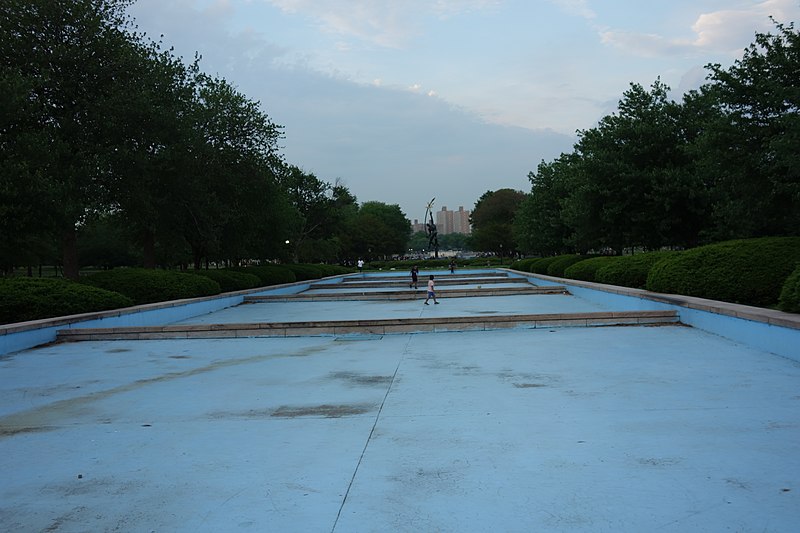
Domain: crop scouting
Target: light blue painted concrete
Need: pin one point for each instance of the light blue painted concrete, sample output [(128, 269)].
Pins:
[(597, 429), (775, 339)]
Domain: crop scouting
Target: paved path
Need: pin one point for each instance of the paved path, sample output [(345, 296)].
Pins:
[(565, 429)]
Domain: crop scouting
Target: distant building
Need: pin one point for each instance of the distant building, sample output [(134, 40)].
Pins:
[(447, 222)]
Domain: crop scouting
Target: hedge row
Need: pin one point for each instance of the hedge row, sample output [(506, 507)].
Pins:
[(751, 271), (790, 293), (145, 286), (23, 299), (760, 272), (230, 280)]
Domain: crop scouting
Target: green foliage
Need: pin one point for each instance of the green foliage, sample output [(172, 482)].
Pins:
[(379, 230), (230, 280), (790, 293), (523, 265), (586, 270), (656, 173), (629, 270), (305, 272), (749, 271), (334, 270), (559, 264), (148, 286), (270, 274), (23, 299), (540, 266), (493, 221)]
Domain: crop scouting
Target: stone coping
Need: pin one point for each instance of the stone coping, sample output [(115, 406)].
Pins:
[(407, 294), (375, 326), (747, 312)]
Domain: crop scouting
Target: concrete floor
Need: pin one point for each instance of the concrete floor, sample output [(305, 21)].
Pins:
[(579, 429)]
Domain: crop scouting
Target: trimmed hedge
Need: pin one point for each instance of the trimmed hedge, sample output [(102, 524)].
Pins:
[(147, 286), (790, 294), (270, 274), (334, 270), (750, 271), (303, 272), (629, 270), (560, 263), (524, 264), (586, 270), (540, 266), (230, 280), (23, 299)]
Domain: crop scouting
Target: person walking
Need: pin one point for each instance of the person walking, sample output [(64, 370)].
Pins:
[(414, 277), (360, 265), (431, 291)]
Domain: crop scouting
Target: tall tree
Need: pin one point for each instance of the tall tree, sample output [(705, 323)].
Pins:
[(539, 224), (633, 180), (66, 58), (492, 221), (751, 150), (380, 230)]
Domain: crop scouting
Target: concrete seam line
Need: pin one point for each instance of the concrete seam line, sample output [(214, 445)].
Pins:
[(371, 431)]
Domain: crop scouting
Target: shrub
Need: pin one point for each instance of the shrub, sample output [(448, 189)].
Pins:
[(303, 272), (561, 262), (230, 280), (748, 271), (23, 299), (540, 266), (586, 270), (270, 274), (629, 270), (334, 270), (790, 294), (524, 264), (147, 286)]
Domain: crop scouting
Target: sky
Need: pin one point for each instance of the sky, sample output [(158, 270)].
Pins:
[(403, 101)]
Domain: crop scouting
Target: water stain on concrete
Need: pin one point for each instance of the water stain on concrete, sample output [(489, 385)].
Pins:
[(323, 411), (64, 412), (361, 379)]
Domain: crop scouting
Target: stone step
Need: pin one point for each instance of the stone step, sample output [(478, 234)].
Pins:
[(403, 282), (424, 274), (405, 294), (371, 327)]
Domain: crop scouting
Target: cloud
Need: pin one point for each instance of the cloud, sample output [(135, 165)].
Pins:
[(385, 24), (578, 8), (386, 143), (725, 31)]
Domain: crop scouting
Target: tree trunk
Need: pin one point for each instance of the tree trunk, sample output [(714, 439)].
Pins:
[(69, 244), (149, 250)]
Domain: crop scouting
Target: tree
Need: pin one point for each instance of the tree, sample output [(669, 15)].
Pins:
[(64, 59), (492, 221), (230, 193), (380, 230), (749, 151), (320, 211), (633, 184), (539, 224)]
